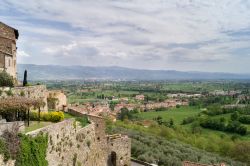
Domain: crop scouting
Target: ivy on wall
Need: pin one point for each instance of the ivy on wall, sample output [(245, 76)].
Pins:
[(3, 150), (32, 150)]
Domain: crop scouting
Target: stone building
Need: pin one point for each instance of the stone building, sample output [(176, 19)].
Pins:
[(61, 99), (8, 37)]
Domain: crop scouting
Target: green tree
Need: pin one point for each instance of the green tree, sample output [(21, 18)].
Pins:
[(25, 82), (6, 79), (235, 116)]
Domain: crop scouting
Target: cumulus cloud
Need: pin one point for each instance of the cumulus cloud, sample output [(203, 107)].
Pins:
[(155, 34)]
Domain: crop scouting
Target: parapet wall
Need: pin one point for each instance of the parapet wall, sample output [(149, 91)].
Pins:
[(68, 144), (9, 125)]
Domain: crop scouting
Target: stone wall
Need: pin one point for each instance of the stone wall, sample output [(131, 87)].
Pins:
[(34, 92), (7, 31), (114, 146), (120, 146), (9, 125), (8, 47), (68, 144), (7, 163)]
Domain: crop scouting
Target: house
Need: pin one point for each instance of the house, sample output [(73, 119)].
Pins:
[(8, 38), (139, 97), (60, 99)]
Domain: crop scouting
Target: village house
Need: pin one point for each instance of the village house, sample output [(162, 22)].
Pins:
[(8, 37), (184, 95), (139, 97), (61, 99)]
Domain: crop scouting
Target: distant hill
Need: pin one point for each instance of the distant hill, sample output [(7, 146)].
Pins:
[(55, 72)]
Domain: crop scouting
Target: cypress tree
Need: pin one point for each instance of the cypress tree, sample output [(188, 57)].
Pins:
[(25, 82)]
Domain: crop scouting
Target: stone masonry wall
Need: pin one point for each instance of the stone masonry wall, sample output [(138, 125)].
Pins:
[(67, 144), (8, 49), (8, 126), (121, 146), (7, 31), (34, 92), (60, 96), (8, 163)]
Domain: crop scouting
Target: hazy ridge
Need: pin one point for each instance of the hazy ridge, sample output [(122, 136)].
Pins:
[(56, 72)]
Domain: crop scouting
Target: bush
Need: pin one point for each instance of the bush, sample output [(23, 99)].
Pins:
[(217, 124), (241, 152), (83, 120), (245, 119), (56, 116), (188, 120), (6, 79), (52, 116)]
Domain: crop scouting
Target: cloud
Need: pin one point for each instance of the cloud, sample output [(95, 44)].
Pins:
[(22, 53), (155, 34)]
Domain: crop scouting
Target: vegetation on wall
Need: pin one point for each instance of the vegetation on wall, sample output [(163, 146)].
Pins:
[(83, 120), (3, 150), (6, 79), (32, 150)]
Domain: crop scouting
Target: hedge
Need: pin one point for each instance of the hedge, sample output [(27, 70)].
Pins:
[(52, 116)]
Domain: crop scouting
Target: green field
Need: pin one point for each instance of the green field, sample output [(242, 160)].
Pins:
[(177, 114)]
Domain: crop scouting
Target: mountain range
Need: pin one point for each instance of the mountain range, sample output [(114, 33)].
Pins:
[(56, 72)]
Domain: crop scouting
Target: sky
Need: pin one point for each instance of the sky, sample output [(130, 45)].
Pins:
[(185, 35)]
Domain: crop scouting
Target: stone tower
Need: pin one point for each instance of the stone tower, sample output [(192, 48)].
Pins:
[(8, 37)]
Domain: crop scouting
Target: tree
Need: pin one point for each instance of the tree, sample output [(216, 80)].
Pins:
[(235, 116), (171, 123), (125, 114), (25, 82), (6, 79)]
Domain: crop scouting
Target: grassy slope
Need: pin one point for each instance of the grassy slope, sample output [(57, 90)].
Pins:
[(178, 114)]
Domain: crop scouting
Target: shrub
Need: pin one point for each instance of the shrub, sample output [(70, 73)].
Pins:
[(83, 120), (245, 119), (88, 143), (6, 79), (22, 93), (188, 120), (52, 116), (241, 152), (217, 124), (235, 116), (9, 93), (56, 116)]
